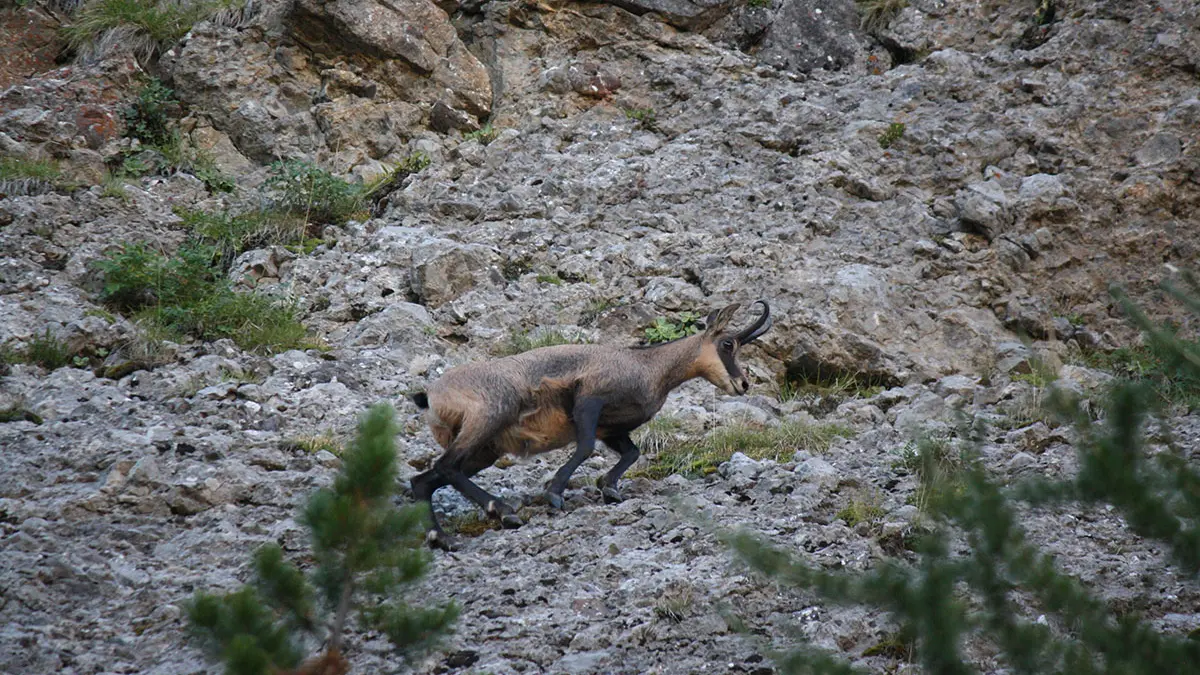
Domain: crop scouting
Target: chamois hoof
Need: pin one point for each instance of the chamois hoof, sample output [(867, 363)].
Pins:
[(440, 541), (611, 495), (555, 500), (511, 521)]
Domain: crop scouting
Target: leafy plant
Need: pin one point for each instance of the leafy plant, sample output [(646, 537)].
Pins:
[(484, 135), (895, 132), (665, 330), (147, 117), (647, 118), (366, 553), (313, 193)]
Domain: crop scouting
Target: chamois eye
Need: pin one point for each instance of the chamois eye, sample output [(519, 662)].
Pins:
[(727, 345)]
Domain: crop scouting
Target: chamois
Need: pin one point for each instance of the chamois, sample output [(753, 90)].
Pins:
[(546, 398)]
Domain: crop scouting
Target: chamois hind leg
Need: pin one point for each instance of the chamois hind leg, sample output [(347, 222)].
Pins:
[(629, 452), (471, 451), (495, 507), (423, 487)]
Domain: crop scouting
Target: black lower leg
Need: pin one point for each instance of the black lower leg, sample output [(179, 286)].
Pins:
[(609, 483), (586, 416), (486, 501), (423, 486)]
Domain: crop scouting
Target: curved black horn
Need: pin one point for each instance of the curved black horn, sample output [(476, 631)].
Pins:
[(759, 327)]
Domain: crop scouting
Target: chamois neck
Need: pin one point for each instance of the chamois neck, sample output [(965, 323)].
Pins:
[(670, 365)]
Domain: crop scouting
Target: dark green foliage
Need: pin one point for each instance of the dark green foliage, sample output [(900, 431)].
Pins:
[(366, 553), (313, 193), (188, 293), (949, 594), (147, 117)]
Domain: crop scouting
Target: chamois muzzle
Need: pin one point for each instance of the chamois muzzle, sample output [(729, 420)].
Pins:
[(759, 327)]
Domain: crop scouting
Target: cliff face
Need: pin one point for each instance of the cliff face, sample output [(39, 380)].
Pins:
[(912, 201)]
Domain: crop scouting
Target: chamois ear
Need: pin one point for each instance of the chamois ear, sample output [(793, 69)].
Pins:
[(718, 321)]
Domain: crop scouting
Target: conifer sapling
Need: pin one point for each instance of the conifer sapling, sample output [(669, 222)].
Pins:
[(366, 552)]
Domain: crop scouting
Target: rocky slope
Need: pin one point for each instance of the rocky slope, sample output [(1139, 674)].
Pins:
[(1037, 164)]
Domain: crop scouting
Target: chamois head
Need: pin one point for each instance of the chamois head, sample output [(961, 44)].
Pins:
[(719, 347)]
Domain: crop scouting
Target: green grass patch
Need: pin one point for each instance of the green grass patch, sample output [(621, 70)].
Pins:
[(524, 341), (665, 330), (470, 525), (700, 457), (895, 132), (20, 168), (187, 293), (551, 279), (838, 387), (939, 467), (233, 233)]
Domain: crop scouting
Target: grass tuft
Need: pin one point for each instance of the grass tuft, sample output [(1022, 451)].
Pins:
[(877, 14), (895, 132), (145, 26), (695, 458), (518, 343), (47, 351)]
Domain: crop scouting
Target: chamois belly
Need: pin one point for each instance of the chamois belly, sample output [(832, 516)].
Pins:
[(537, 431)]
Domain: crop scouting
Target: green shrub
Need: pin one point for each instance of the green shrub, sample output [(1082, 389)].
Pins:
[(366, 553), (976, 574), (147, 117), (188, 294), (313, 193), (665, 330)]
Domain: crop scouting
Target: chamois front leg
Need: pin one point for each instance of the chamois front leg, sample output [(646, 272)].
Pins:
[(629, 452), (586, 417)]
